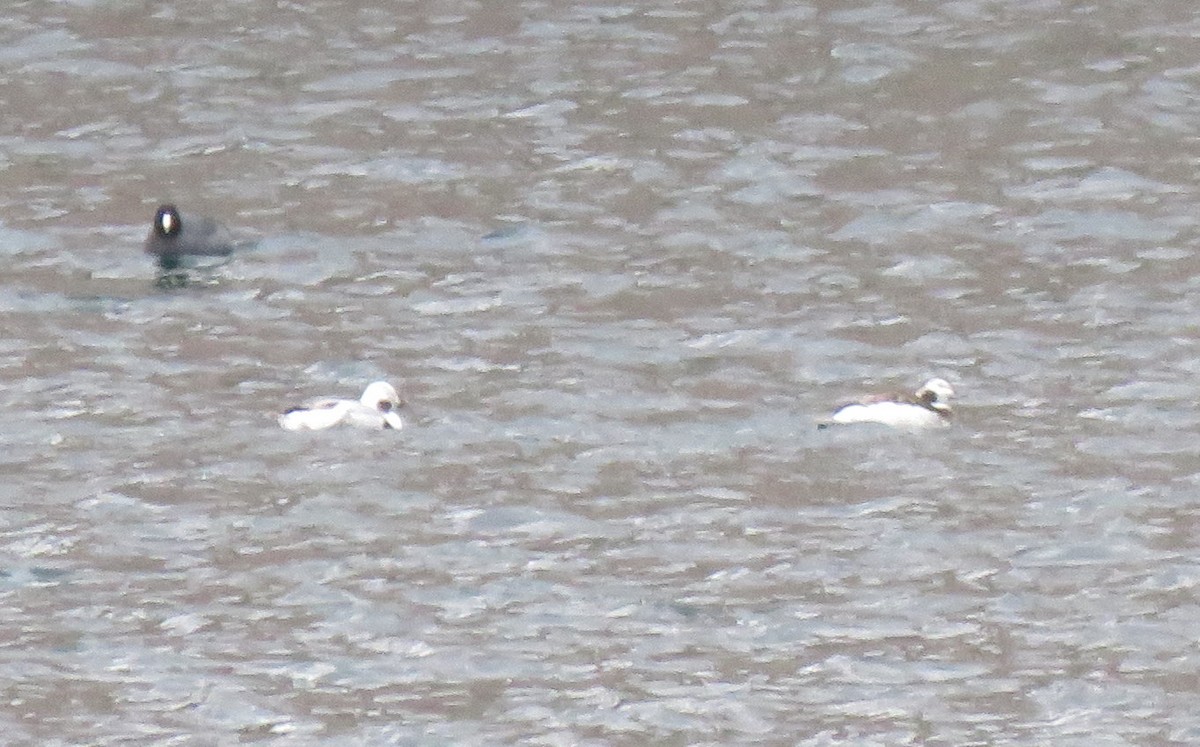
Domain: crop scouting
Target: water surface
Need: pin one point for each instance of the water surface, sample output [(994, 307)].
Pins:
[(621, 259)]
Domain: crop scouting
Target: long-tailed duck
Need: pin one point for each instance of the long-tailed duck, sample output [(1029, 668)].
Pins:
[(927, 407), (375, 409)]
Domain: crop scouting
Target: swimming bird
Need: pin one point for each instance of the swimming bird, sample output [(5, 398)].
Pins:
[(178, 240), (375, 409), (927, 407)]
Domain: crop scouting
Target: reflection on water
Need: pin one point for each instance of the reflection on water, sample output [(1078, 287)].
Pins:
[(623, 260)]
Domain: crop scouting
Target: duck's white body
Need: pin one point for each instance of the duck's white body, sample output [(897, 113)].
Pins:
[(927, 408), (375, 409)]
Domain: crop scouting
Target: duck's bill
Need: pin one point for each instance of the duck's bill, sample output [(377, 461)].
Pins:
[(392, 420)]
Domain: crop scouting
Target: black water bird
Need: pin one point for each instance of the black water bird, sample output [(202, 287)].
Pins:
[(179, 241)]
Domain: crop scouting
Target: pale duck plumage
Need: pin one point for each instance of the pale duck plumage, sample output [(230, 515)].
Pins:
[(375, 409), (928, 407)]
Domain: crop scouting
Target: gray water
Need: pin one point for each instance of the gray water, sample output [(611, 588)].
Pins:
[(620, 258)]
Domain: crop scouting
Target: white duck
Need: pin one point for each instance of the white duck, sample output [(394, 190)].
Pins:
[(375, 409), (928, 407)]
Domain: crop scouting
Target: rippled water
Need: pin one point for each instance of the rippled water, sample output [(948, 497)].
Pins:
[(621, 258)]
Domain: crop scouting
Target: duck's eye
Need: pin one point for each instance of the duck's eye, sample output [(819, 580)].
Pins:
[(385, 406)]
